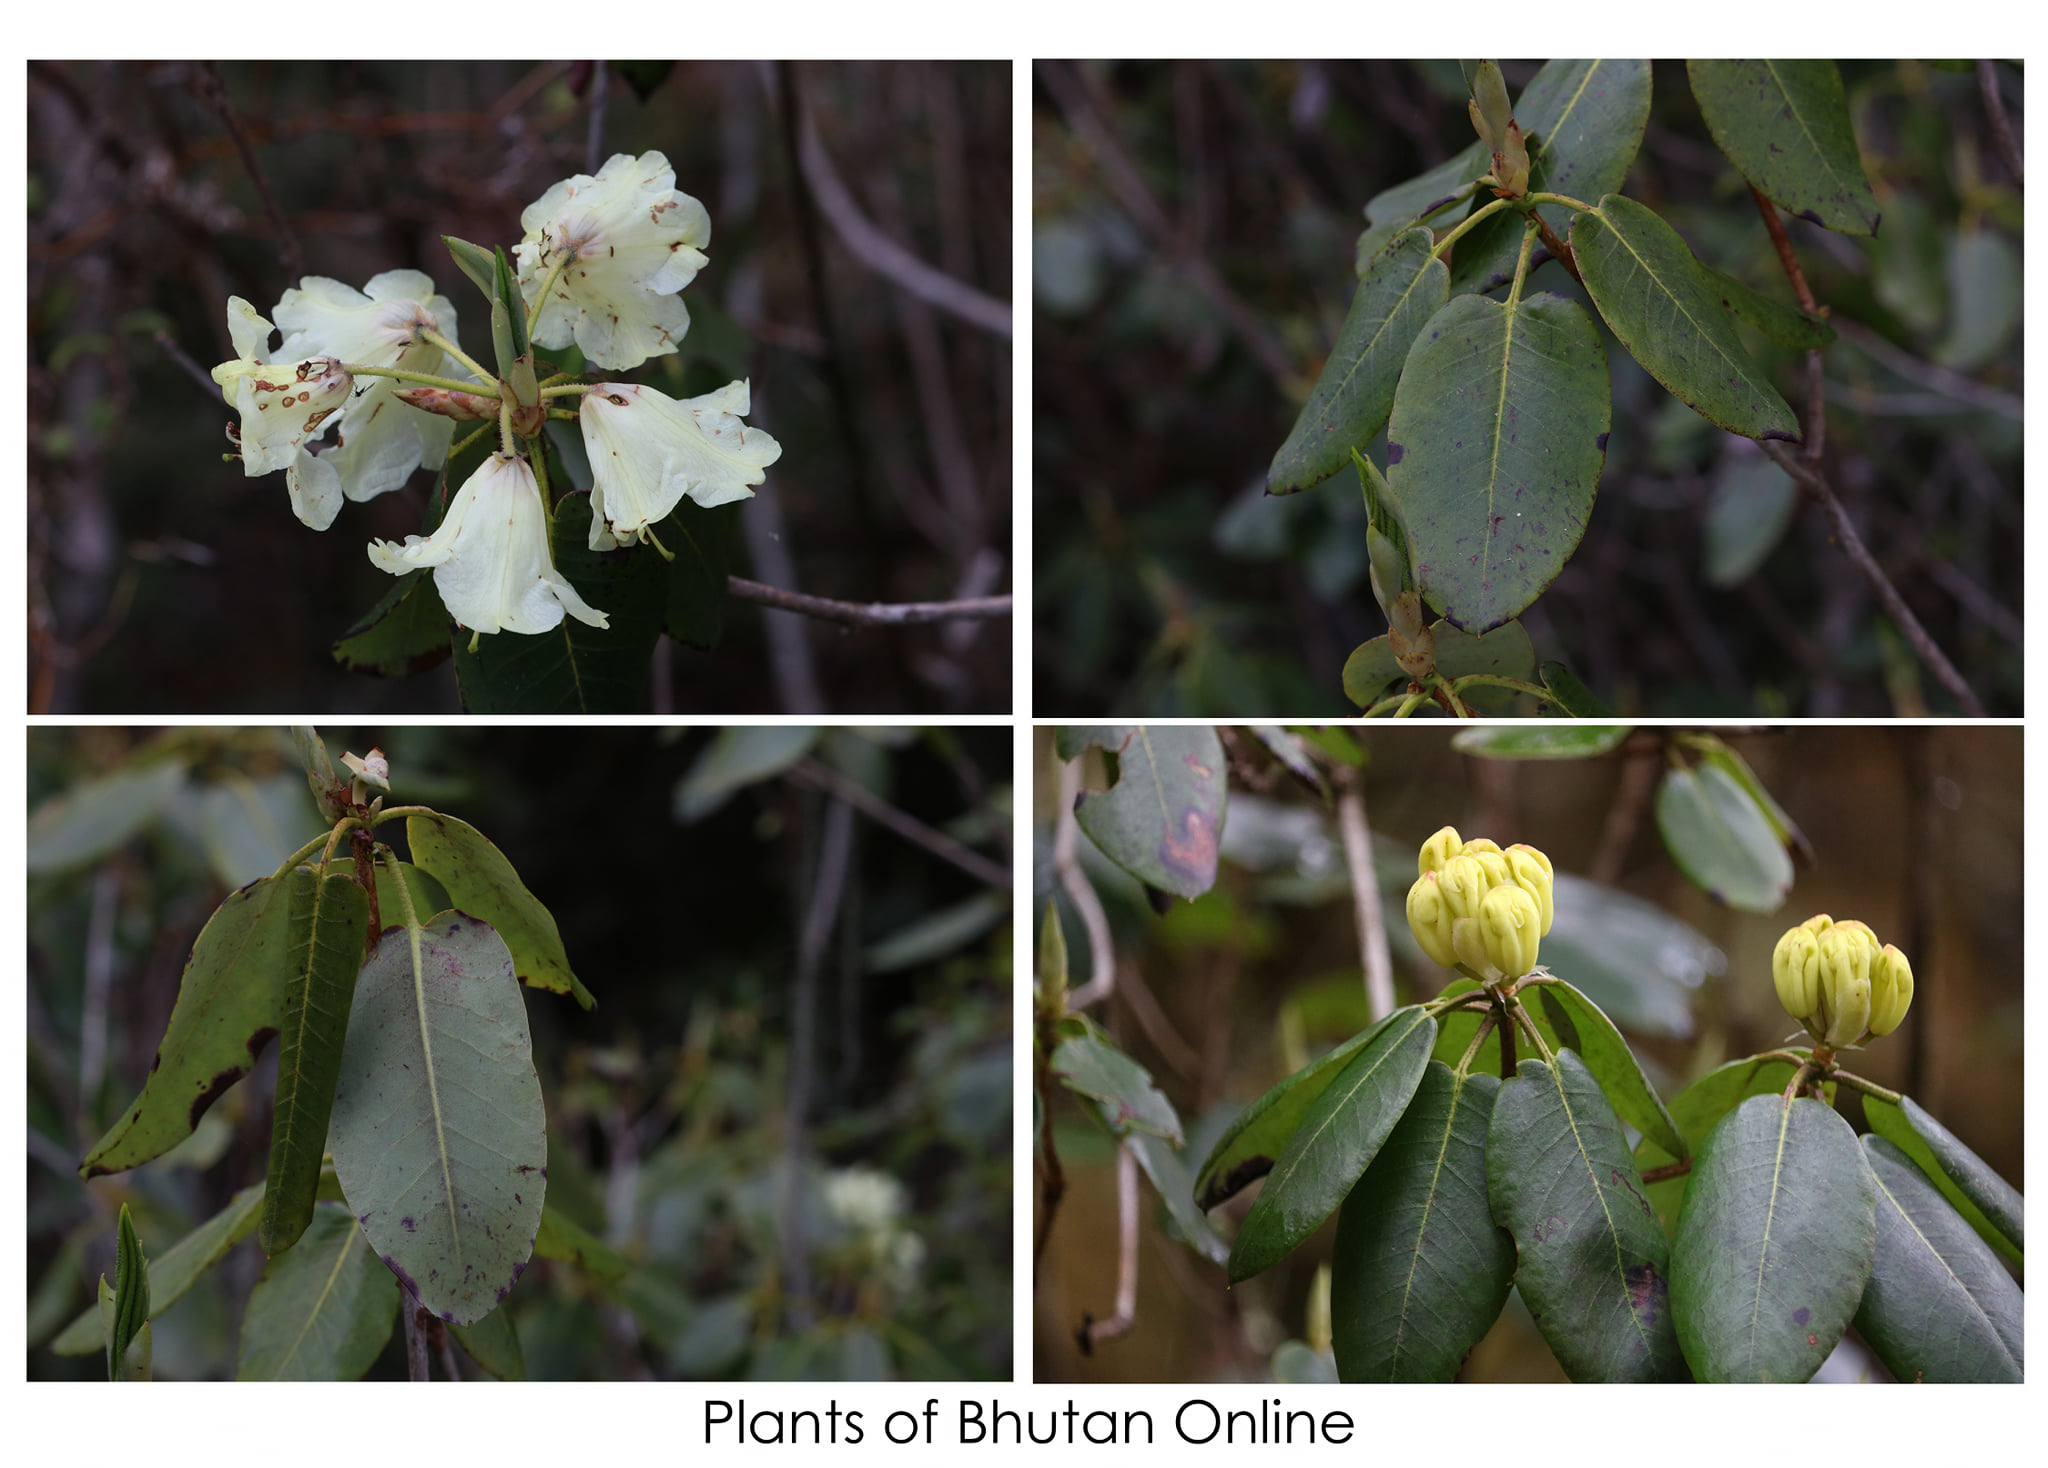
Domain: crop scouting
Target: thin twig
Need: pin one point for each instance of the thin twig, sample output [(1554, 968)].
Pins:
[(938, 843), (1559, 250), (2001, 125), (1374, 956), (867, 614), (1929, 650), (1639, 769), (416, 1362), (1172, 1048), (443, 1342), (1066, 861), (1816, 378), (1783, 244), (1668, 1171), (1952, 385), (185, 361), (1126, 1255), (215, 95), (1051, 1188)]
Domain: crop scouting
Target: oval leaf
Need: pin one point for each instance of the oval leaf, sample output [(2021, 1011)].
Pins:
[(1335, 1142), (1592, 1263), (1788, 326), (1987, 1202), (1751, 509), (1613, 1064), (1494, 451), (85, 822), (1420, 1272), (1698, 1109), (480, 881), (230, 1004), (1939, 1305), (438, 1133), (1121, 1088), (1654, 297), (1161, 818), (1785, 125), (1721, 840), (1775, 1242), (1403, 287), (329, 919), (1505, 652), (323, 1311)]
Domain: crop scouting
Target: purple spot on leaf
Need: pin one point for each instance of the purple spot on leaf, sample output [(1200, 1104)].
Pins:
[(1394, 452)]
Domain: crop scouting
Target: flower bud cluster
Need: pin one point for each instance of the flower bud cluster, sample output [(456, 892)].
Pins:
[(1836, 979), (1476, 905)]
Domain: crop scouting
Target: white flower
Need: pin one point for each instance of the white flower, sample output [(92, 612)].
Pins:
[(282, 403), (627, 241), (372, 768), (648, 450), (379, 440), (490, 555)]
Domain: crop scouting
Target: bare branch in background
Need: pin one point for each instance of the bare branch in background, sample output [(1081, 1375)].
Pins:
[(1374, 956), (206, 81), (1066, 862), (1126, 1256), (2001, 126), (938, 843), (868, 614)]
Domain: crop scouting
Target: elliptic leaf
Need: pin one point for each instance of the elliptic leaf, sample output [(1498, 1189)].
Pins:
[(1987, 1202), (736, 758), (1403, 287), (230, 1004), (1985, 277), (438, 1133), (428, 896), (1939, 1306), (1697, 1110), (1788, 326), (1669, 315), (1722, 840), (1335, 1142), (1774, 1244), (1591, 1261), (406, 632), (1420, 1272), (1785, 126), (1505, 652), (1494, 451), (1614, 1065), (481, 882), (1717, 753), (1749, 513), (1161, 819), (1540, 741), (1121, 1087), (84, 823), (323, 1310)]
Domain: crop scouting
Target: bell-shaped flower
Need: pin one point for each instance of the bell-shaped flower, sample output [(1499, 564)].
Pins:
[(626, 242), (490, 555), (380, 440), (282, 403), (1429, 919), (648, 450), (1845, 957)]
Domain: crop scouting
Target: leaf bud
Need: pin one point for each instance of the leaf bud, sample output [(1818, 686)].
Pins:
[(1437, 850), (1891, 990), (1429, 919), (1511, 923)]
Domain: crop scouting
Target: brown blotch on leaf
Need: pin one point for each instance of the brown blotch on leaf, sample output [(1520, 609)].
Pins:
[(214, 1090), (261, 1038)]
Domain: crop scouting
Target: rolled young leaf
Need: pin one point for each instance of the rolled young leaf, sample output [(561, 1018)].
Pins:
[(480, 881), (1785, 125), (130, 1317)]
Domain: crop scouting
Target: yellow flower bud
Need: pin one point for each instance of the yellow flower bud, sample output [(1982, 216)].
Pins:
[(1891, 990), (1529, 869), (1465, 882), (1819, 923), (1494, 864), (1429, 919), (1510, 924), (1478, 844), (1437, 850), (1795, 967), (1469, 942), (1845, 980)]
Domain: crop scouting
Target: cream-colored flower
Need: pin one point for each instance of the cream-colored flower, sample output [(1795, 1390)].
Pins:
[(282, 403), (648, 450), (490, 555), (627, 241)]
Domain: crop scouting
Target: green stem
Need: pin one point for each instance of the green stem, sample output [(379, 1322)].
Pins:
[(1565, 199), (567, 415), (1458, 705), (325, 838), (1472, 1050), (1470, 999), (1798, 1080), (428, 334), (505, 427), (1411, 703), (1497, 680), (1528, 1027), (484, 389), (568, 390), (540, 474), (1868, 1088), (393, 812), (468, 439), (546, 289), (1391, 701), (1471, 219), (412, 917), (1522, 264)]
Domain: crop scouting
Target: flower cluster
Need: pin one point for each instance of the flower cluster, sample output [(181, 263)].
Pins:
[(1479, 907), (368, 386), (1836, 980)]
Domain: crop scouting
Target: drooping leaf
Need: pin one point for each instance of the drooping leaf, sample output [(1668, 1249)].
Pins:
[(1614, 1066), (1774, 1244), (1751, 509), (230, 1005), (705, 544), (936, 934), (494, 1345), (93, 817), (1722, 840), (1987, 1202), (1540, 741), (1939, 1306), (1788, 326), (1494, 450), (1123, 1088), (1698, 1109), (1247, 1149), (1985, 287), (1168, 1170), (1335, 1142), (1785, 126), (1420, 1272), (438, 1133), (246, 827), (736, 758), (561, 1237), (1571, 698), (323, 1310), (1591, 1262), (406, 632), (328, 920), (481, 882), (1716, 752), (1505, 652), (1403, 286), (1653, 296), (1161, 819)]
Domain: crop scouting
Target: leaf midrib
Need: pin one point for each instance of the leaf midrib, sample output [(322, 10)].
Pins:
[(319, 1301), (419, 990), (1600, 1194), (1443, 1149), (1305, 1141), (1613, 228), (1392, 311), (1792, 107), (1967, 1293), (1770, 1217)]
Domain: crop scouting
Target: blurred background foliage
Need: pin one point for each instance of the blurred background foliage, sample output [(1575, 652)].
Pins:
[(680, 868), (1175, 342), (1917, 831), (163, 580)]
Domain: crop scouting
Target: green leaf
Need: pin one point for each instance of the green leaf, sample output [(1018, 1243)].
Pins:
[(1614, 1065), (574, 669), (936, 934), (736, 758), (1571, 698), (1697, 1110), (176, 1270), (474, 261), (323, 1310), (1749, 513), (1785, 126), (705, 544), (1540, 741), (131, 1294), (494, 1345), (515, 304), (1401, 289), (1722, 840), (1168, 1170), (428, 896), (1494, 451), (1290, 749), (1246, 1150), (1788, 326), (1987, 1202), (329, 917), (1939, 1306), (93, 817), (1161, 819), (1505, 652), (561, 1237), (133, 1361), (405, 633), (1653, 296), (1984, 283), (1335, 1142), (481, 882), (1121, 1087), (312, 749), (1420, 1272), (439, 1136), (1775, 1242), (1714, 752), (1426, 193), (1591, 1262), (230, 1005)]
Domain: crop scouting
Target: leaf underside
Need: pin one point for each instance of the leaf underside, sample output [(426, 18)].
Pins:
[(480, 881), (1722, 840), (323, 1310), (1785, 125), (1161, 820)]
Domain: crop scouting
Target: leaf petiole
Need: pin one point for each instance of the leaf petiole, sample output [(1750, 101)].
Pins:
[(1470, 220)]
